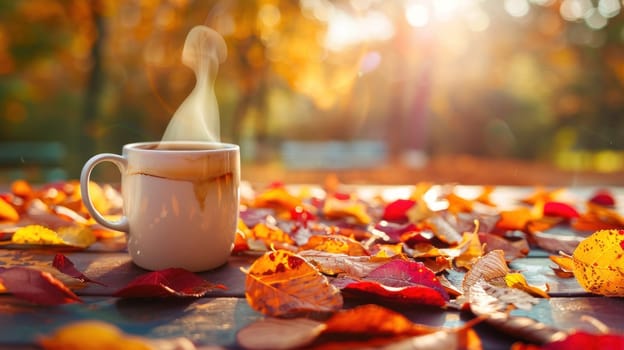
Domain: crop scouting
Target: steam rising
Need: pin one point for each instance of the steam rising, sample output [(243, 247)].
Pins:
[(197, 118)]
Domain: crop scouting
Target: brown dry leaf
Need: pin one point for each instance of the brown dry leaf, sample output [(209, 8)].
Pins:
[(335, 244), (599, 263), (513, 249), (281, 283), (334, 264), (491, 268), (444, 230), (556, 243), (278, 333)]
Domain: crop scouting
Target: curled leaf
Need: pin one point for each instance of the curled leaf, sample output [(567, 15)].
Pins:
[(66, 266), (560, 209), (281, 283)]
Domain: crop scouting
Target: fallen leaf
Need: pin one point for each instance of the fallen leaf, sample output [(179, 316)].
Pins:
[(604, 198), (66, 266), (335, 208), (7, 212), (402, 281), (397, 210), (334, 264), (564, 262), (597, 218), (444, 230), (599, 263), (517, 280), (555, 243), (92, 335), (579, 340), (172, 282), (335, 244), (278, 333), (464, 338), (373, 320), (560, 209), (282, 283), (36, 286), (74, 236), (277, 197)]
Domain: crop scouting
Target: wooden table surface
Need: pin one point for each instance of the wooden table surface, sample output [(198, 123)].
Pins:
[(214, 320)]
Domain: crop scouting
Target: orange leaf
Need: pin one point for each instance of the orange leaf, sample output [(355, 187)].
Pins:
[(281, 283), (346, 208), (93, 335), (373, 320), (335, 244), (7, 212), (277, 197)]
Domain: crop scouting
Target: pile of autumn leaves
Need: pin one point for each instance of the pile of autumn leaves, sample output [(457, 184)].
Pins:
[(325, 249), (320, 248)]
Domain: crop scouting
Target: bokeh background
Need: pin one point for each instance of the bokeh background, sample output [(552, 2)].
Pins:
[(375, 91)]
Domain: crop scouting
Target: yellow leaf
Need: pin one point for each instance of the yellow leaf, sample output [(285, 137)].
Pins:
[(92, 335), (599, 263), (517, 280), (473, 250), (69, 236), (566, 263)]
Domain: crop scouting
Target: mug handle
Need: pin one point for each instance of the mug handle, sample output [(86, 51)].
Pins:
[(85, 175)]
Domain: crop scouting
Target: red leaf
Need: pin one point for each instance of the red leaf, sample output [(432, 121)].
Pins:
[(587, 341), (397, 210), (404, 281), (412, 295), (604, 198), (401, 273), (66, 266), (560, 209), (36, 286), (165, 283)]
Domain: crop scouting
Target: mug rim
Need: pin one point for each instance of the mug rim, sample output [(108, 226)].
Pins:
[(224, 147)]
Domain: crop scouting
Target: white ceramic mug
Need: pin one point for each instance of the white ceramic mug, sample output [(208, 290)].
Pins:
[(180, 202)]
